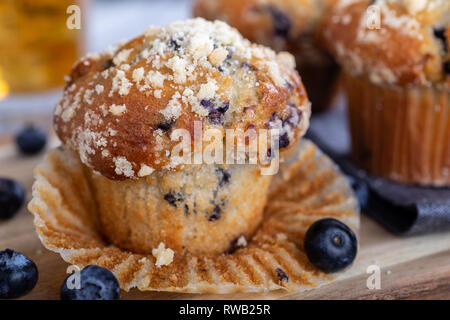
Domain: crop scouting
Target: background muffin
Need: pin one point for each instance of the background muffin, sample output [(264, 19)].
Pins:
[(121, 107), (289, 25), (398, 85)]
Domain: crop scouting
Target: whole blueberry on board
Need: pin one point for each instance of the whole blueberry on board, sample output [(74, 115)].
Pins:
[(361, 191), (31, 140), (330, 245), (18, 274), (95, 283), (12, 196)]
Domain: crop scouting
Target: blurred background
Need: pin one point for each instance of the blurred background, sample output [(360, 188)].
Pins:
[(37, 48)]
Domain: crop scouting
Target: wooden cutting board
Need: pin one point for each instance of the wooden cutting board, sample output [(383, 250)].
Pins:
[(411, 267)]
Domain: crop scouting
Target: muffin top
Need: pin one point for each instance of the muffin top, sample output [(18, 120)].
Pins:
[(409, 47), (277, 23), (120, 107)]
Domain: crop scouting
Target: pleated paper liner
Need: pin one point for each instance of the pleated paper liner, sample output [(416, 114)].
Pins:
[(400, 134), (309, 187)]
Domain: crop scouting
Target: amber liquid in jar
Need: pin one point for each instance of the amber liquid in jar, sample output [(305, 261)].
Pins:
[(36, 47)]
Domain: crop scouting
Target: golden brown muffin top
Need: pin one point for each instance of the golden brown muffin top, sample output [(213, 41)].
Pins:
[(276, 23), (120, 107), (410, 47)]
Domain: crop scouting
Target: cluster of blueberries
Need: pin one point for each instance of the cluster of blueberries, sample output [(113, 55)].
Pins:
[(18, 273), (329, 244)]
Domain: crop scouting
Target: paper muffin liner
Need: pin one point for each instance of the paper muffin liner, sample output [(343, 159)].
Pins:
[(400, 133), (309, 187)]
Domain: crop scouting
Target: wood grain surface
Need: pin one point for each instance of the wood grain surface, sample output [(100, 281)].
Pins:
[(411, 267)]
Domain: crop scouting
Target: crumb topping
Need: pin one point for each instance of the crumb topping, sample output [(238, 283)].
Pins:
[(117, 110), (408, 47), (218, 56), (145, 171), (241, 242), (173, 109), (99, 88), (121, 84), (123, 167), (165, 79), (163, 255)]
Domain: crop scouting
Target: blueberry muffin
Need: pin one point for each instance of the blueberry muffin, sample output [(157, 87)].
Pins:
[(284, 25), (397, 78), (122, 109)]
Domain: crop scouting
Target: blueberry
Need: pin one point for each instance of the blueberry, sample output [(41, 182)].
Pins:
[(108, 64), (31, 140), (207, 104), (282, 276), (284, 140), (361, 191), (248, 66), (446, 67), (173, 44), (215, 114), (281, 22), (173, 198), (166, 126), (330, 245), (269, 153), (18, 274), (12, 196), (440, 34), (216, 214), (273, 117), (96, 283), (223, 176), (294, 117)]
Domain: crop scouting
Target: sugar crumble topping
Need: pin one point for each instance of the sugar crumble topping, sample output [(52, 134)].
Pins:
[(416, 20), (122, 56), (99, 88), (178, 66), (120, 84), (157, 94), (286, 59), (173, 109), (117, 110), (88, 96), (145, 171), (123, 167), (208, 90), (218, 56), (241, 242), (181, 62), (164, 256)]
